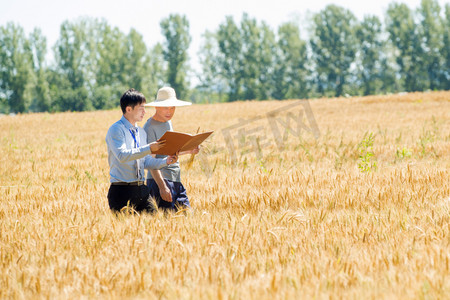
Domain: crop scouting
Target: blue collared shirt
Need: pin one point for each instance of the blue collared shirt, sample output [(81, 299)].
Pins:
[(122, 153)]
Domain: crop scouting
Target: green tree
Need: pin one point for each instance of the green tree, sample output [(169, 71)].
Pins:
[(409, 55), (110, 72), (334, 46), (175, 29), (266, 54), (430, 34), (118, 61), (230, 59), (250, 33), (372, 63), (16, 68), (96, 63), (137, 65), (290, 74), (42, 99), (445, 51), (157, 69), (70, 78), (211, 84)]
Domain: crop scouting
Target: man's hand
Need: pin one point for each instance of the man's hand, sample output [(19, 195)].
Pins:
[(196, 150), (164, 191), (172, 159), (155, 146)]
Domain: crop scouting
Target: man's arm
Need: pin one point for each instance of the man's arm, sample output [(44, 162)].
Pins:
[(164, 191), (193, 151), (115, 139), (152, 163)]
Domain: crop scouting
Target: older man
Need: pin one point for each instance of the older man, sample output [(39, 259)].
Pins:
[(165, 184)]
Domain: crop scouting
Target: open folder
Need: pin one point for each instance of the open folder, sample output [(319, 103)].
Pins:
[(178, 141)]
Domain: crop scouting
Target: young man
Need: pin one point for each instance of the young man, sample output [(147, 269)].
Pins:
[(165, 184), (129, 154)]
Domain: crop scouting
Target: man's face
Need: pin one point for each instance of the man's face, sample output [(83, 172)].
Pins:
[(165, 113), (136, 113)]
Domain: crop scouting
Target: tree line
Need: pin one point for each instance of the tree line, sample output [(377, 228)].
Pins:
[(94, 63)]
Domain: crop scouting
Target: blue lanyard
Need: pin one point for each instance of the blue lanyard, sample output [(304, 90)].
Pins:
[(134, 138)]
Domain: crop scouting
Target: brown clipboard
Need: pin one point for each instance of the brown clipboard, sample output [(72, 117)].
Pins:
[(179, 142)]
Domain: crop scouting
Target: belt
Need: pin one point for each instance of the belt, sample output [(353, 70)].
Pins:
[(138, 183)]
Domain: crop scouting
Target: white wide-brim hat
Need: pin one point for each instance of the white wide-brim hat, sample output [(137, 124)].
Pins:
[(167, 97)]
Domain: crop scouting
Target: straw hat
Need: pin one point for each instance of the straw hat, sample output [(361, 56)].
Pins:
[(166, 97)]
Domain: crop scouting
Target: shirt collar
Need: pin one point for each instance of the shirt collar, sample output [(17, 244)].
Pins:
[(158, 122), (127, 123)]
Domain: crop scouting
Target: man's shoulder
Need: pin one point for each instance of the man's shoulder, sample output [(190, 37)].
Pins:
[(152, 124), (147, 124), (142, 130), (116, 127), (117, 124)]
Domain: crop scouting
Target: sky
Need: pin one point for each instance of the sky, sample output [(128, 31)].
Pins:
[(145, 15)]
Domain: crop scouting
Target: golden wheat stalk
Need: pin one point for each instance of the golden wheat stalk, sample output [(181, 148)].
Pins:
[(191, 158)]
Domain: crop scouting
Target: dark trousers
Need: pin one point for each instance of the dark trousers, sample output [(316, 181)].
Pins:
[(179, 196), (138, 197)]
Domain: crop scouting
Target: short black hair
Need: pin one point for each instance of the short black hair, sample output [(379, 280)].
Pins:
[(131, 98)]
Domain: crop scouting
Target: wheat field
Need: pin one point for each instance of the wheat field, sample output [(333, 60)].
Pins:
[(357, 210)]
